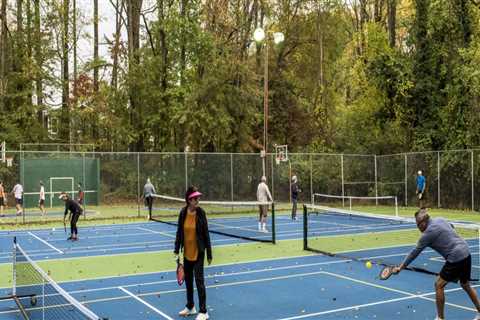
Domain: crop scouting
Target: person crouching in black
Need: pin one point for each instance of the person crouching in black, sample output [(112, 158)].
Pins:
[(75, 212)]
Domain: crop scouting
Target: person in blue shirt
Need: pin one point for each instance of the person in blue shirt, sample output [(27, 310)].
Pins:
[(421, 183)]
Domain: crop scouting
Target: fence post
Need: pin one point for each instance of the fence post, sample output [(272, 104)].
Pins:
[(438, 180), (406, 181), (231, 176), (311, 175), (473, 181), (138, 185), (343, 181), (376, 182)]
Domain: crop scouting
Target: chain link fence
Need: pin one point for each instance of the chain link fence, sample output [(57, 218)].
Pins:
[(113, 182)]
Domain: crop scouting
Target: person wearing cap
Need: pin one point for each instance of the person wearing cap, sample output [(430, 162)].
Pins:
[(194, 239), (421, 183), (148, 193), (294, 194), (263, 195), (75, 212), (41, 200), (80, 194), (18, 193), (440, 235)]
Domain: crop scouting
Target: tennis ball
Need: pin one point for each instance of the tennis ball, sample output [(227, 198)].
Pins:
[(368, 264), (53, 229)]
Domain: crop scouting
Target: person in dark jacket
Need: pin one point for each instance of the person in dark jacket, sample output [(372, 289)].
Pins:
[(75, 212), (193, 238), (294, 192)]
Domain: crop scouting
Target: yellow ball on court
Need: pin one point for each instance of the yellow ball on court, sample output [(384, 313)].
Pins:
[(368, 264)]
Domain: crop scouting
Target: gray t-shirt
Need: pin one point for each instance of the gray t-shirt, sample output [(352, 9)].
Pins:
[(148, 190), (441, 236)]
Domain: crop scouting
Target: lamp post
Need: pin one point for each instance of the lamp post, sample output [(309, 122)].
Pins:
[(260, 36)]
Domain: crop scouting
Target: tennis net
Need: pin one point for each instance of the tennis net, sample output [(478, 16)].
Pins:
[(381, 239), (238, 219), (38, 296), (384, 205)]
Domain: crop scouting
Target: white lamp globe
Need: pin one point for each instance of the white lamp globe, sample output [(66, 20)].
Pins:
[(259, 34), (278, 37)]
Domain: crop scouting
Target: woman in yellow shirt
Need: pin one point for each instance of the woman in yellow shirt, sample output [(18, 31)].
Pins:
[(193, 238)]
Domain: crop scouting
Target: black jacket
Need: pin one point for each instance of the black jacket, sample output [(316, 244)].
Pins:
[(73, 206), (203, 237)]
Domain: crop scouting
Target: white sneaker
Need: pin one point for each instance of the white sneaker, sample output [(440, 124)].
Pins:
[(259, 226), (202, 316), (264, 230), (477, 317), (438, 318), (187, 312)]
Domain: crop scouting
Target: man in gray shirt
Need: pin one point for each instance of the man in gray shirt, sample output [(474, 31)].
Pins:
[(440, 235), (148, 193)]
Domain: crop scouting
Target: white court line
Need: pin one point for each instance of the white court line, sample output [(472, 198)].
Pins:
[(410, 295), (145, 303), (156, 232), (45, 242)]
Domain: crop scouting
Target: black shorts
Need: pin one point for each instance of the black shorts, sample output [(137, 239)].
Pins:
[(461, 270), (19, 201), (41, 202), (2, 201), (421, 195)]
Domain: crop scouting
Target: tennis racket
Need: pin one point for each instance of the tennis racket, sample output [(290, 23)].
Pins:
[(180, 272), (386, 273)]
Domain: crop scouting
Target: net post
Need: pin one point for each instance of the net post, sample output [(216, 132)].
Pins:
[(396, 206), (305, 226), (14, 273), (273, 223)]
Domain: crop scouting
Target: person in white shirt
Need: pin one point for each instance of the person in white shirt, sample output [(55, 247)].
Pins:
[(18, 193), (41, 200), (263, 195)]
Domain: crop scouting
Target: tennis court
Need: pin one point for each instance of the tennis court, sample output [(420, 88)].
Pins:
[(313, 286)]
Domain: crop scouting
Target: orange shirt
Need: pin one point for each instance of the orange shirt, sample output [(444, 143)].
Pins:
[(190, 240)]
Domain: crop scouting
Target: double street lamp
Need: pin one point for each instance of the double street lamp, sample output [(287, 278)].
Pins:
[(262, 36)]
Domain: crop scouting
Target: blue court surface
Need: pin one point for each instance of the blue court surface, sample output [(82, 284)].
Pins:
[(313, 287), (310, 287)]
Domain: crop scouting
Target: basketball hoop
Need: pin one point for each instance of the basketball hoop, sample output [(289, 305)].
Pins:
[(281, 154), (9, 161)]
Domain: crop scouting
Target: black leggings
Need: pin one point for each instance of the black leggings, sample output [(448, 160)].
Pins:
[(149, 203), (73, 223), (196, 268)]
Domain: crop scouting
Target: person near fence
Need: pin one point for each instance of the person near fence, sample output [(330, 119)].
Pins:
[(41, 200), (440, 235), (263, 195), (75, 210), (80, 194), (194, 239), (421, 184), (3, 199), (17, 191), (294, 194), (148, 193)]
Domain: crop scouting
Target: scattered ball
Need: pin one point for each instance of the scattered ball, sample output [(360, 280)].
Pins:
[(53, 229), (368, 264)]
